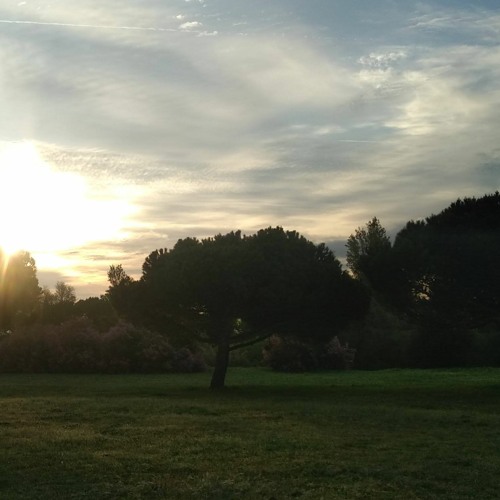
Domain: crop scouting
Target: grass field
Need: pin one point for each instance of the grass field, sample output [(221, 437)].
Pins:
[(371, 435)]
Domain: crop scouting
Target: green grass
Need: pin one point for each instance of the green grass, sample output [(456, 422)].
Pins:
[(372, 435)]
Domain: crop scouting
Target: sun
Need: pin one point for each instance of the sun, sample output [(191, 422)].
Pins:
[(48, 211)]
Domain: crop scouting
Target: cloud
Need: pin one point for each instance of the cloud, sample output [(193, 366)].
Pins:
[(93, 26), (479, 24), (208, 33), (190, 25), (382, 60), (317, 119), (448, 91)]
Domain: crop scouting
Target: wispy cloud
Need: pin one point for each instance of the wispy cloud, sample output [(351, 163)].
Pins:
[(478, 24), (190, 25), (316, 119), (93, 26), (382, 60)]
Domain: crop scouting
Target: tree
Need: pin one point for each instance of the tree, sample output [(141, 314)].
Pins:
[(127, 297), (233, 290), (19, 290), (117, 276), (365, 248), (371, 259), (64, 293), (98, 310), (450, 267), (381, 340), (58, 306)]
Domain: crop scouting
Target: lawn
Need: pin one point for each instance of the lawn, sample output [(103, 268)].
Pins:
[(372, 435)]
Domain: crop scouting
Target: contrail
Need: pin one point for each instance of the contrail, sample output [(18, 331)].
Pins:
[(355, 140), (94, 26)]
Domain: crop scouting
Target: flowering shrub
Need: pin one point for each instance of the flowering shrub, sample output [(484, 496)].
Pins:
[(338, 356), (288, 355), (76, 346), (291, 355)]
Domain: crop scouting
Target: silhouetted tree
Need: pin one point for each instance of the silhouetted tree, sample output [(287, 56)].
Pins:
[(58, 306), (233, 290), (117, 276), (98, 310), (371, 259), (450, 264), (365, 248), (19, 290), (64, 293), (129, 299)]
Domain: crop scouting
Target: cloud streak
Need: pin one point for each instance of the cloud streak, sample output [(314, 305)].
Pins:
[(93, 26)]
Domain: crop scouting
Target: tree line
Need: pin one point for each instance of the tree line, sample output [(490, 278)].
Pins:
[(441, 279), (430, 298)]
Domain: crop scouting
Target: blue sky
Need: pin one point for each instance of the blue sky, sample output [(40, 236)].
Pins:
[(188, 118)]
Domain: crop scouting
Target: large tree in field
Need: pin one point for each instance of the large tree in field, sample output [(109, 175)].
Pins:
[(233, 290), (19, 290)]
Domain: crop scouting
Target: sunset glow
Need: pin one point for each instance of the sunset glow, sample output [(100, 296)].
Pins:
[(48, 211), (126, 126)]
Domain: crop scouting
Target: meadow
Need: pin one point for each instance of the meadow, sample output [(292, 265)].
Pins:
[(374, 435)]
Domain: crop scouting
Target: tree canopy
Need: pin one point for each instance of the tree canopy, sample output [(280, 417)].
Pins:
[(450, 260), (441, 274), (232, 290), (58, 306), (433, 295), (365, 246), (449, 264), (19, 290)]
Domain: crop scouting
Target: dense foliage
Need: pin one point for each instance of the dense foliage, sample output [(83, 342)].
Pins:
[(232, 290), (430, 299), (76, 346), (292, 355), (19, 290), (442, 277)]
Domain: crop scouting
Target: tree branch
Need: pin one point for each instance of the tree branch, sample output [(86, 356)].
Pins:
[(249, 342)]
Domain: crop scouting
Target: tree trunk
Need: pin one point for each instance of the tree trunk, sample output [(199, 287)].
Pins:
[(221, 364)]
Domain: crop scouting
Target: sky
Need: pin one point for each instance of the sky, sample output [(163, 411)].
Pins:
[(128, 124)]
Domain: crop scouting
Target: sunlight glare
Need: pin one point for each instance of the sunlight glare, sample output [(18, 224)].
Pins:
[(47, 211)]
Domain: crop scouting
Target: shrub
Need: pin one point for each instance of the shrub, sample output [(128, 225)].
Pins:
[(76, 346), (19, 352), (73, 346), (382, 339), (292, 355), (126, 348), (486, 345), (186, 361)]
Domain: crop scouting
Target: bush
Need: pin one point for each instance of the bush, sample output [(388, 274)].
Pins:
[(186, 361), (247, 356), (76, 346), (25, 352), (441, 345), (292, 355), (486, 345), (382, 339), (72, 346), (126, 348)]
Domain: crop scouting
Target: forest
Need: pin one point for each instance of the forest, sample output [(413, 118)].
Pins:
[(428, 299)]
